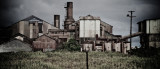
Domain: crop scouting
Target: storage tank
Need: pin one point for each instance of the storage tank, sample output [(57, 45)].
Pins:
[(89, 26), (151, 30)]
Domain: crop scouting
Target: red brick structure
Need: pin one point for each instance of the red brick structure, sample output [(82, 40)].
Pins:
[(44, 43)]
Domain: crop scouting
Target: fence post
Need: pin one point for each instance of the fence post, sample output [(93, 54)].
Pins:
[(87, 59)]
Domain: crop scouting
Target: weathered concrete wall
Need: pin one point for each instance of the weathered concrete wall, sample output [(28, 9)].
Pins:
[(108, 46), (46, 27), (63, 35), (126, 47), (99, 48), (106, 27), (87, 47), (118, 47), (31, 31), (26, 29), (21, 27)]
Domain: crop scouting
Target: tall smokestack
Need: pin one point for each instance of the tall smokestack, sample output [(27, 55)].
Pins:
[(69, 17), (70, 10), (57, 21)]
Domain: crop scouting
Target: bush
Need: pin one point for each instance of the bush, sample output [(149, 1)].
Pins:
[(145, 52), (71, 45)]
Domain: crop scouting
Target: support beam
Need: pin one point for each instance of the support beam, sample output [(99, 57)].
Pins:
[(132, 35)]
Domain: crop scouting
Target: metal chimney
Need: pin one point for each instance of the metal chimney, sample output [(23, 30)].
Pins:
[(57, 21), (70, 10), (69, 17)]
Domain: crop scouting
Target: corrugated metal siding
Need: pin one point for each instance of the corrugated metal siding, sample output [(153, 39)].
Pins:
[(153, 26), (89, 28)]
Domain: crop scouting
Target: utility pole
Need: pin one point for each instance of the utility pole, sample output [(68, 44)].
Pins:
[(131, 16)]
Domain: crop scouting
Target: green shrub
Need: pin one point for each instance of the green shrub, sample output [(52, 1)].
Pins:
[(71, 45), (145, 52)]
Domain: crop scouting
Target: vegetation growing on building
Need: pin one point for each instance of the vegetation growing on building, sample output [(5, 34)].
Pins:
[(71, 45)]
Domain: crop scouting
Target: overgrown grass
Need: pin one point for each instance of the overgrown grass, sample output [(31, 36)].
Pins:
[(75, 60)]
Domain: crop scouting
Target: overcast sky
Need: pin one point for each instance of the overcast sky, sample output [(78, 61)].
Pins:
[(112, 12)]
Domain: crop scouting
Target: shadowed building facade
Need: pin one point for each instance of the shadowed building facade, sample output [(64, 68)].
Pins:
[(31, 27), (151, 33)]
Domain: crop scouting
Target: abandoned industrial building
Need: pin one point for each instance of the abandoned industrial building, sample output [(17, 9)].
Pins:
[(89, 31), (151, 32)]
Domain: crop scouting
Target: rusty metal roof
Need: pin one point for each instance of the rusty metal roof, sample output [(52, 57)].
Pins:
[(46, 36)]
